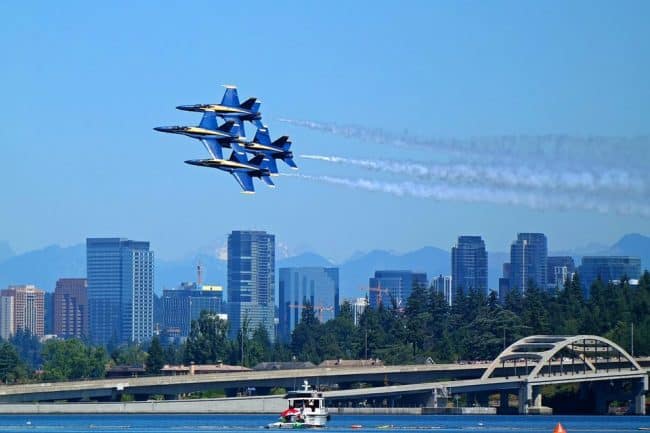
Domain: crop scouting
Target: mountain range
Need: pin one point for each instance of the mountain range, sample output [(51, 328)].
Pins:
[(44, 266)]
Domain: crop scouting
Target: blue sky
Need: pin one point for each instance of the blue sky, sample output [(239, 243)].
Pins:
[(83, 84)]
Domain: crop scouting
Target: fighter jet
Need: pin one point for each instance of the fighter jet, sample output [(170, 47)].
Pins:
[(212, 136), (278, 149), (242, 170), (231, 109)]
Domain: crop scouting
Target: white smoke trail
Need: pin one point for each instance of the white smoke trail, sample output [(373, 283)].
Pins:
[(561, 150), (444, 192), (607, 181)]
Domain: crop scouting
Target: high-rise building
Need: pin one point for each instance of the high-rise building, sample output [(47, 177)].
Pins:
[(442, 284), (120, 290), (71, 308), (504, 282), (48, 306), (528, 260), (7, 329), (393, 287), (469, 265), (28, 308), (251, 281), (558, 270), (358, 308), (317, 286), (607, 268), (185, 303)]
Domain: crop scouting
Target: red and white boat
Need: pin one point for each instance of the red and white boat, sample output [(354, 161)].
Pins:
[(306, 410)]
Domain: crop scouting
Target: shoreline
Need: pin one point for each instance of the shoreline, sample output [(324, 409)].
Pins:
[(271, 405)]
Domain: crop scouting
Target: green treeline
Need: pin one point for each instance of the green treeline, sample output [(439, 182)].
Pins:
[(476, 327)]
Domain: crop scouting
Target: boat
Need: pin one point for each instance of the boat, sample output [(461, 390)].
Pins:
[(306, 410)]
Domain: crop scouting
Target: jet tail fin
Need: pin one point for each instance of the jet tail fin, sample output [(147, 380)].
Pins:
[(282, 143), (262, 136), (230, 127), (230, 97), (290, 162), (256, 107), (234, 156), (267, 180), (238, 122), (250, 104), (258, 160)]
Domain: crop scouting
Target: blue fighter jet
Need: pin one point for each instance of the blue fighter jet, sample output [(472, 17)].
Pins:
[(278, 149), (212, 136), (231, 109), (242, 170)]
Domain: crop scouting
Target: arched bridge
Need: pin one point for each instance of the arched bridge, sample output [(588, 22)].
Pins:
[(543, 356), (541, 360)]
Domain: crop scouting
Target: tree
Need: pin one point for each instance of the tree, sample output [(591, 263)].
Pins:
[(155, 356), (12, 368), (417, 318), (304, 339), (207, 342), (129, 354), (28, 347), (71, 359)]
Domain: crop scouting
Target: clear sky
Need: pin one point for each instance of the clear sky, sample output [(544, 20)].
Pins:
[(84, 83)]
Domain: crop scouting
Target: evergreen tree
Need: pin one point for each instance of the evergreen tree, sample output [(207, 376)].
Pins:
[(417, 318), (305, 336), (155, 356), (28, 347), (12, 368)]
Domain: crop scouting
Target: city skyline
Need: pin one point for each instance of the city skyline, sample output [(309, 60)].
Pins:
[(44, 267), (118, 305), (504, 129)]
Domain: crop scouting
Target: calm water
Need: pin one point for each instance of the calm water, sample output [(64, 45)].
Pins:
[(338, 424)]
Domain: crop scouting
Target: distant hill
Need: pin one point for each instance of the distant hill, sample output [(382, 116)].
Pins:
[(43, 267), (5, 251), (303, 260), (632, 245), (355, 273)]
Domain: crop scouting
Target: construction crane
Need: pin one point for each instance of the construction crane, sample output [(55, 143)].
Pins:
[(318, 308), (379, 290)]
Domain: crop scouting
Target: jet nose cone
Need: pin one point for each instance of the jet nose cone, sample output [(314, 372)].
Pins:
[(170, 129), (187, 107)]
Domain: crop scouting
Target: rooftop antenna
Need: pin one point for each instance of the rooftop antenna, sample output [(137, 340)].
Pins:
[(199, 274)]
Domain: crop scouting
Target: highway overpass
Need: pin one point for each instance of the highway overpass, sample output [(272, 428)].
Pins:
[(526, 365)]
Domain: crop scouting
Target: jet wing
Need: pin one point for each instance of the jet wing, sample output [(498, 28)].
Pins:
[(213, 147), (209, 120), (230, 98), (245, 181)]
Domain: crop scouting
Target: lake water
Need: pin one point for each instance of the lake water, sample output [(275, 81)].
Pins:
[(338, 424)]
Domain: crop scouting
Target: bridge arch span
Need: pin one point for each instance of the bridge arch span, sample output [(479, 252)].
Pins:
[(543, 350)]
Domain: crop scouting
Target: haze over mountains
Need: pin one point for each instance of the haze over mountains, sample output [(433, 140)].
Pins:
[(43, 267)]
